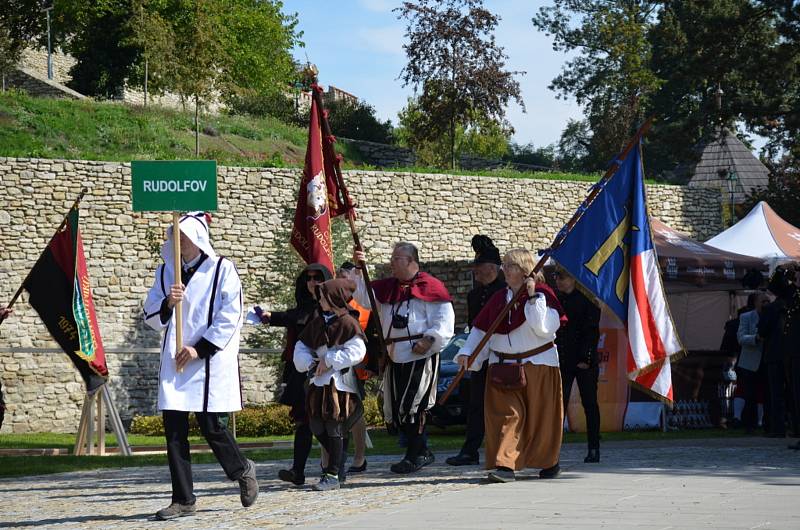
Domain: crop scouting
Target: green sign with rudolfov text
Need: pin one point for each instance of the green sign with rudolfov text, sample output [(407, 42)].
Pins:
[(174, 185)]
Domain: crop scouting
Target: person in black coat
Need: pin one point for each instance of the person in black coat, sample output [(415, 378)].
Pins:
[(792, 334), (577, 353), (488, 280), (292, 381), (771, 330)]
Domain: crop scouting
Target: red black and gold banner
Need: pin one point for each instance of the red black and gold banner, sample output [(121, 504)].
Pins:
[(61, 293)]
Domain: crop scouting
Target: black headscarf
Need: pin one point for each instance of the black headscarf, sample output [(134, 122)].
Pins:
[(303, 298)]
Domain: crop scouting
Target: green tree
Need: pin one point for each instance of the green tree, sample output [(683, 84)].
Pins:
[(782, 123), (21, 23), (482, 137), (574, 146), (256, 39), (782, 193), (8, 55), (25, 24), (199, 52), (95, 33), (226, 48), (357, 121), (411, 132), (486, 138), (531, 155), (458, 67), (154, 38), (610, 75), (749, 49)]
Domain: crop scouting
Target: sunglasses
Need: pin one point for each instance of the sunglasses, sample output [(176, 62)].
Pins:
[(314, 277)]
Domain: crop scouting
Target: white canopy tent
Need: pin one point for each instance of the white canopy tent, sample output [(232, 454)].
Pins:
[(761, 234)]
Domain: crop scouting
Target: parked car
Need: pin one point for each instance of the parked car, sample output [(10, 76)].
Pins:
[(454, 411)]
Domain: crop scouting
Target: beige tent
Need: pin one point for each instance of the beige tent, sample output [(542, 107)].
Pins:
[(701, 283)]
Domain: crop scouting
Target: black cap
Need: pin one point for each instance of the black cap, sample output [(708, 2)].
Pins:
[(485, 251)]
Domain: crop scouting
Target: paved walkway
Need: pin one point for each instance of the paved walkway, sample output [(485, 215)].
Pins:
[(736, 483)]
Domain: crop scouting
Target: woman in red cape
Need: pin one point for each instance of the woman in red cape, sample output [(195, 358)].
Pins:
[(523, 409)]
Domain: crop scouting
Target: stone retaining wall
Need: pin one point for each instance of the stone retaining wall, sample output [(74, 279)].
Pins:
[(45, 393), (38, 86), (438, 212)]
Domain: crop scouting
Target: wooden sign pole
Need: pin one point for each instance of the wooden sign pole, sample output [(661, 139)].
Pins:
[(176, 247)]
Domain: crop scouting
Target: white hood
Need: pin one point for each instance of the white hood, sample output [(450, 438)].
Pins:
[(195, 226)]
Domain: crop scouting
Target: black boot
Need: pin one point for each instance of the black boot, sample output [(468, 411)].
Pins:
[(463, 460), (293, 476), (592, 457), (550, 472)]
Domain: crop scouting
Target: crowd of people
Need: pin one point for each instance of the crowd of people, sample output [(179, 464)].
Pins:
[(521, 383), (522, 378), (768, 334)]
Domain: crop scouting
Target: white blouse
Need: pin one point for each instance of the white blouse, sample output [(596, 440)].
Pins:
[(539, 328), (337, 358), (431, 319)]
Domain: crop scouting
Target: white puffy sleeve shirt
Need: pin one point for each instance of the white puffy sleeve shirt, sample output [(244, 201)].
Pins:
[(539, 328), (337, 358), (431, 319)]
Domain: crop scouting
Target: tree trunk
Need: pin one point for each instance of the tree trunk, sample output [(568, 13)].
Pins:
[(453, 142), (197, 125), (4, 82), (145, 82)]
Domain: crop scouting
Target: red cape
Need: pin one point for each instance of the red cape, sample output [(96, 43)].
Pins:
[(517, 314), (423, 287)]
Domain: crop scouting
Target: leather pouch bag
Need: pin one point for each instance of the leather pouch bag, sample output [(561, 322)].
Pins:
[(507, 376)]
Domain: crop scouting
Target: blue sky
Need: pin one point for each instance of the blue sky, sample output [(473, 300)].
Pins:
[(357, 46)]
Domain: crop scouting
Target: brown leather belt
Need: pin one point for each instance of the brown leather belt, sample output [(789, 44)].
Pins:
[(393, 340), (524, 355)]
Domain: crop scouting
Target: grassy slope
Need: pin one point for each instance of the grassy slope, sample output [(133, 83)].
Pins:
[(47, 128), (90, 130)]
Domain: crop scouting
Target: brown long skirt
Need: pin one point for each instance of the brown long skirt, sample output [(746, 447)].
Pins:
[(524, 427)]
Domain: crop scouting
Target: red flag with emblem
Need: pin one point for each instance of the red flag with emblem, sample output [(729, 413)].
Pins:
[(318, 199)]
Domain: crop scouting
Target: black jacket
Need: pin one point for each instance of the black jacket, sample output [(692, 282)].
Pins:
[(294, 320), (479, 295), (770, 328), (577, 340)]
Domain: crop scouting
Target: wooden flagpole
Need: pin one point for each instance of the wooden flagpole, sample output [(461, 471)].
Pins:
[(559, 239), (84, 191), (176, 251), (351, 216)]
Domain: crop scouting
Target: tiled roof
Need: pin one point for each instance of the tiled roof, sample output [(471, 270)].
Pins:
[(724, 153)]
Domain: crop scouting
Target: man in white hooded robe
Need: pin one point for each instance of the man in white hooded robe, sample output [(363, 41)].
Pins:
[(203, 377)]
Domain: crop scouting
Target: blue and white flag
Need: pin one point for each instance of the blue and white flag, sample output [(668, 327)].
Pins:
[(610, 252)]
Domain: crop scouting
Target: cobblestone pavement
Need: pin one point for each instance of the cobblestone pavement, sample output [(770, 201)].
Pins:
[(731, 483)]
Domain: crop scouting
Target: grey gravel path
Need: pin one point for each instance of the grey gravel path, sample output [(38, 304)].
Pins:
[(712, 483)]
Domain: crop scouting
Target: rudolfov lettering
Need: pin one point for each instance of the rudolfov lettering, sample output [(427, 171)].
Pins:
[(160, 186)]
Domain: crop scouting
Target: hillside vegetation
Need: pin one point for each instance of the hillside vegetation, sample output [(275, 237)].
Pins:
[(91, 130)]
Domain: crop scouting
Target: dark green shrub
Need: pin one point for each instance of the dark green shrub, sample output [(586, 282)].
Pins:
[(268, 420), (373, 413)]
